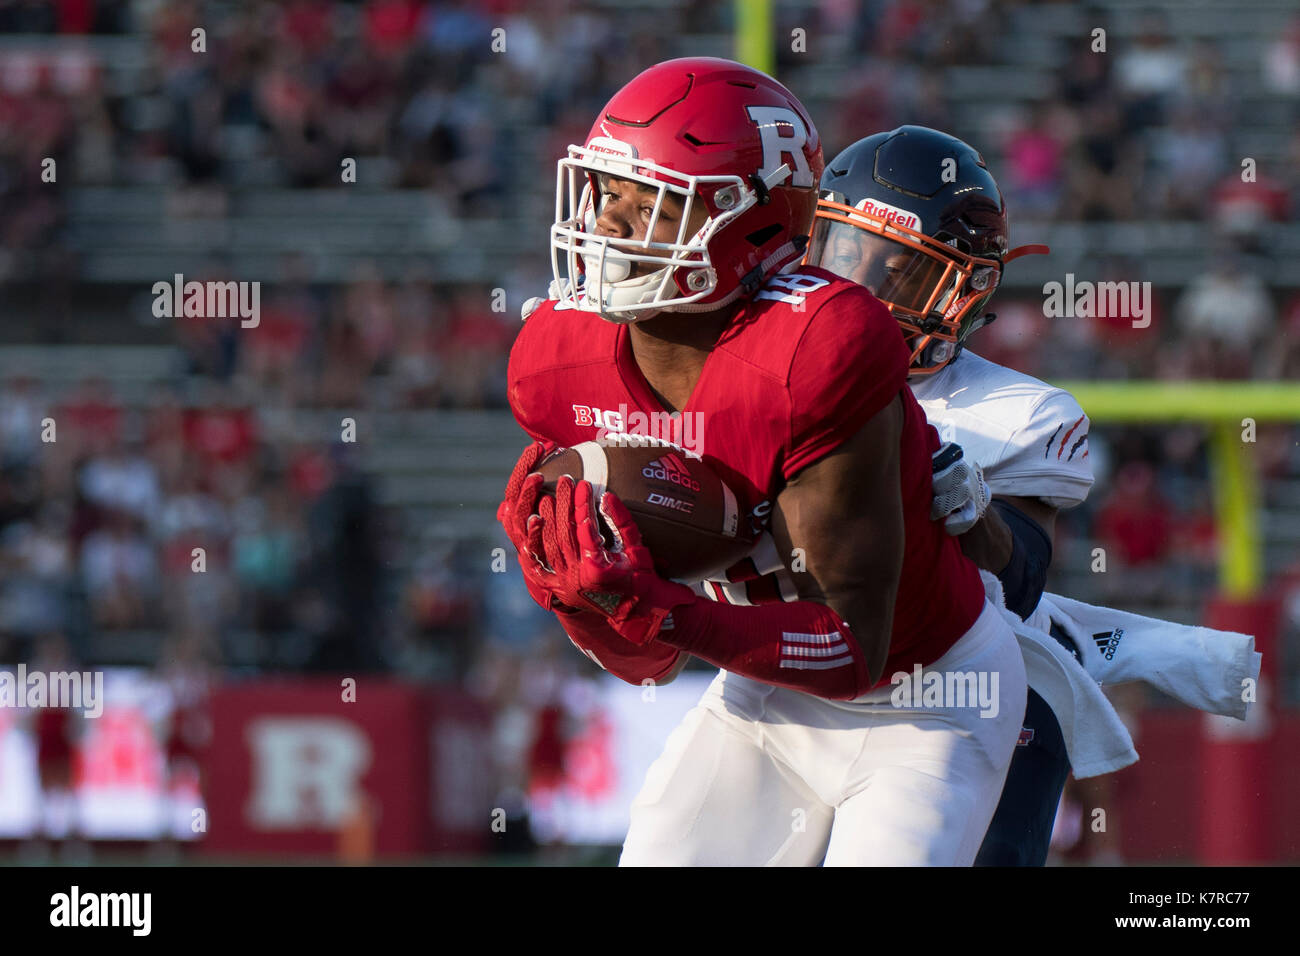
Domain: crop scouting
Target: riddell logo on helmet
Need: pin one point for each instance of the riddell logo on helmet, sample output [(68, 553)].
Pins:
[(672, 469), (882, 210), (612, 147)]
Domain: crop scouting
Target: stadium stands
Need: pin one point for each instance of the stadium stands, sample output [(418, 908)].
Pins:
[(379, 295)]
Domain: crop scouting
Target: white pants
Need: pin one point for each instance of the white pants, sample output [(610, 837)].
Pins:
[(762, 775)]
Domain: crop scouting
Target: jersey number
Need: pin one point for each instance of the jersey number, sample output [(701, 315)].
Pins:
[(796, 287)]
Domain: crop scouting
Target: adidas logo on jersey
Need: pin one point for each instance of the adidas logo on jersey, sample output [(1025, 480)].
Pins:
[(672, 469), (1108, 641)]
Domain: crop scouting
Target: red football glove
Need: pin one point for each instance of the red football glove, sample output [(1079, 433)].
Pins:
[(619, 581), (520, 503)]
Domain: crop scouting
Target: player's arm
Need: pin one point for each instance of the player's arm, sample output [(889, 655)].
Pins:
[(591, 633), (841, 504), (805, 645), (1013, 539), (989, 543), (1047, 461), (845, 511), (845, 514)]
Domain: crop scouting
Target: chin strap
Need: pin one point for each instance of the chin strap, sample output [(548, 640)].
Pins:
[(647, 284), (763, 184)]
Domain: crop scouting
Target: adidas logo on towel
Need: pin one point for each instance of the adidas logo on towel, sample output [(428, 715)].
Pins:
[(1108, 641)]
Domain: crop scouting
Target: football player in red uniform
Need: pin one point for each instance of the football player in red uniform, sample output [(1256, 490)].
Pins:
[(680, 224)]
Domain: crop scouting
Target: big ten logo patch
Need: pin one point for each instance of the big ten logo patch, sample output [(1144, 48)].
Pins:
[(588, 415)]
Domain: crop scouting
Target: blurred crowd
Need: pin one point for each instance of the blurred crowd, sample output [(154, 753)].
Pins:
[(363, 343), (181, 518), (1150, 130)]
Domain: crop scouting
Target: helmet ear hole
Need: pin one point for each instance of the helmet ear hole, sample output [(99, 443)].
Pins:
[(699, 279), (726, 198)]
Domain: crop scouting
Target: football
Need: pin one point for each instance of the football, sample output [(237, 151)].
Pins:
[(687, 516)]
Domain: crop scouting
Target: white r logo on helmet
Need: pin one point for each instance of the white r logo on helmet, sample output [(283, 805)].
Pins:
[(772, 122)]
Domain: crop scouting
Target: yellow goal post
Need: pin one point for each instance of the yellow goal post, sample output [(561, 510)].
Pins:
[(1230, 410), (755, 41)]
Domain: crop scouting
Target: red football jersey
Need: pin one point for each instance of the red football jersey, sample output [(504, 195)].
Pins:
[(803, 365)]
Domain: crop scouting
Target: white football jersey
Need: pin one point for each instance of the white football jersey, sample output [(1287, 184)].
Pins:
[(1030, 437)]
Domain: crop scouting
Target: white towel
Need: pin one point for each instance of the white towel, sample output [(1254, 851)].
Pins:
[(1199, 666), (1095, 738)]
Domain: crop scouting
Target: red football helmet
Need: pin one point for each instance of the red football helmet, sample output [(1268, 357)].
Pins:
[(713, 132)]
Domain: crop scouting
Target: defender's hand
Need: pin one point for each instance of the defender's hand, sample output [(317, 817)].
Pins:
[(961, 495)]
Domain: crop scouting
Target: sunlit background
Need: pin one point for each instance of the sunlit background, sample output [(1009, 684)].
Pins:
[(1170, 155)]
